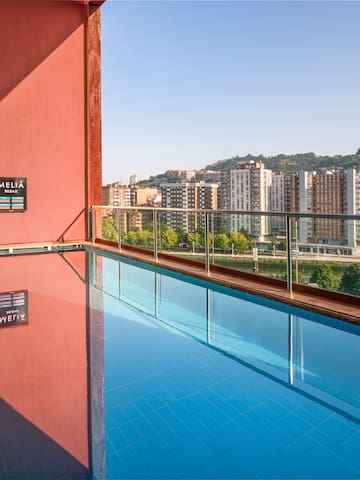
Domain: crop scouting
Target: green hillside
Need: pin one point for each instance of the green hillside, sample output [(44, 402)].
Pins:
[(281, 162), (293, 163)]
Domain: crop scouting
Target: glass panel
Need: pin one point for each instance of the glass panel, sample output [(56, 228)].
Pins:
[(245, 243), (237, 326), (182, 304), (137, 287), (336, 373), (109, 224), (137, 228), (324, 254), (110, 277), (182, 234)]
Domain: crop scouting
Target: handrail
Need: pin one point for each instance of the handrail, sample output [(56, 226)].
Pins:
[(335, 216)]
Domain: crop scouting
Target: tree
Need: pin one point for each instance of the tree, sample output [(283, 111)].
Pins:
[(211, 240), (201, 232), (169, 238), (109, 230), (324, 277), (194, 238), (350, 282), (222, 241), (182, 235), (131, 238), (144, 238), (281, 246), (241, 243), (221, 229), (245, 232)]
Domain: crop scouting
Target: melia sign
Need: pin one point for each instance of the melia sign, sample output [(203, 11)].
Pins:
[(13, 308), (12, 194)]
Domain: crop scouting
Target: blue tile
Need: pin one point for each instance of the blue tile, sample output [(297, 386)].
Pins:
[(182, 410), (118, 439), (118, 468), (151, 449), (132, 432), (116, 415), (143, 426)]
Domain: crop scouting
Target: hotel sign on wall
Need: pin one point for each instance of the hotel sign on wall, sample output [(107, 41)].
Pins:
[(12, 194), (13, 308)]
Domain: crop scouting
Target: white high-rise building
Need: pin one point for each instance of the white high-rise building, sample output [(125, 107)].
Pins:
[(277, 195), (133, 180), (305, 201), (250, 185)]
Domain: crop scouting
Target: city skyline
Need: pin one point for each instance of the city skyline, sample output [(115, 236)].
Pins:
[(187, 84)]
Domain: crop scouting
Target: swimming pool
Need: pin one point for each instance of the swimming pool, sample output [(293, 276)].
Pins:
[(128, 371)]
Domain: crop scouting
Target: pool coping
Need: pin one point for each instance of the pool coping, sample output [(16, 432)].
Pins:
[(309, 298)]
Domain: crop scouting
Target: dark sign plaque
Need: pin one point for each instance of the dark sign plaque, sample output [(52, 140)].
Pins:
[(13, 308), (12, 194)]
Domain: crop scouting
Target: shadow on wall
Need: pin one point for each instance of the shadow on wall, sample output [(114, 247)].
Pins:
[(32, 20), (28, 453)]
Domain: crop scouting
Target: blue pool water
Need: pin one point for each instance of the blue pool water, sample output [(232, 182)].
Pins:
[(117, 370), (204, 382)]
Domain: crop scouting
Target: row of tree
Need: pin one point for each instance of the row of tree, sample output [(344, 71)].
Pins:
[(170, 238), (324, 277)]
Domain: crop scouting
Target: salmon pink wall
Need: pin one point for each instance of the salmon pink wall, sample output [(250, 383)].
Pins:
[(42, 117), (44, 363)]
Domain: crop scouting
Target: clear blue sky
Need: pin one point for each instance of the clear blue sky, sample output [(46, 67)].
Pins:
[(188, 83)]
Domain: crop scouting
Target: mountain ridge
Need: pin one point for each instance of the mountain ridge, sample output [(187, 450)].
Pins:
[(281, 162), (293, 163)]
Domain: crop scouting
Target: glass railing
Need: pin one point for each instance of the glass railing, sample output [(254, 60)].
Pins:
[(318, 250)]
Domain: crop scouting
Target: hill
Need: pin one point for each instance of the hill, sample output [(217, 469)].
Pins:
[(293, 163), (281, 162)]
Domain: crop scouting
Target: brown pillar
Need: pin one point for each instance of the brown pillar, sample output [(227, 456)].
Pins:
[(93, 110)]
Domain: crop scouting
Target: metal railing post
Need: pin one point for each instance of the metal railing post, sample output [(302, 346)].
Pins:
[(288, 254), (93, 224), (213, 238), (207, 252), (119, 229), (155, 235)]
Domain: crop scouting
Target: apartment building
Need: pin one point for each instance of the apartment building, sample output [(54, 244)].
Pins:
[(141, 196), (180, 175), (278, 196), (119, 195), (200, 195), (133, 179), (247, 188), (331, 192), (116, 194), (251, 187)]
